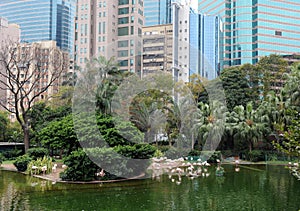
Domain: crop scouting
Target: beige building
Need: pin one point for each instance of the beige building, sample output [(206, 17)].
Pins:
[(35, 66), (157, 48), (109, 28), (9, 33)]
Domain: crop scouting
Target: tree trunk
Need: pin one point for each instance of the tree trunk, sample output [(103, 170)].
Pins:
[(250, 146), (193, 141), (26, 137)]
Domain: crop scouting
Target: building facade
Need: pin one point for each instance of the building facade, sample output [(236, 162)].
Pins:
[(157, 49), (196, 43), (256, 28), (9, 33), (112, 29), (45, 64), (42, 20), (157, 12)]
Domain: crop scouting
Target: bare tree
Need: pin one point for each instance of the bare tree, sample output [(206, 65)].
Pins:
[(28, 73)]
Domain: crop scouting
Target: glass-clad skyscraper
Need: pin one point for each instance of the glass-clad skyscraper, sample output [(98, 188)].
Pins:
[(197, 42), (256, 28), (42, 20), (157, 12)]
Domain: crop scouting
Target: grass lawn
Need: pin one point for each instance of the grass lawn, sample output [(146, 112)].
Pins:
[(8, 162)]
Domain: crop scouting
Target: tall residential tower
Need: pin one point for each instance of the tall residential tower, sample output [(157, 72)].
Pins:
[(109, 28)]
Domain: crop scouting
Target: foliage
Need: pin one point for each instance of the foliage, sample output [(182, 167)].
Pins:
[(80, 167), (236, 87), (255, 155), (248, 124), (271, 68), (37, 152), (3, 125), (197, 86), (40, 163), (12, 154), (291, 143), (2, 158), (158, 153), (137, 151), (59, 135), (21, 76), (22, 162), (41, 115)]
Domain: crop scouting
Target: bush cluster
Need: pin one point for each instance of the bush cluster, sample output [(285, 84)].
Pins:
[(22, 162)]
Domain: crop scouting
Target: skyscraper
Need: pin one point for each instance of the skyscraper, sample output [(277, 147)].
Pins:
[(197, 42), (157, 12), (256, 28), (42, 20), (110, 28)]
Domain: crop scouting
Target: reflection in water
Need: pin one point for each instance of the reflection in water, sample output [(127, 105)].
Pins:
[(253, 188)]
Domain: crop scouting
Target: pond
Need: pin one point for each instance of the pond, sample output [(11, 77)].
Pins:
[(252, 188)]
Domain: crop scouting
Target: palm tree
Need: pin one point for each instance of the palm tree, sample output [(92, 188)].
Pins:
[(250, 124), (213, 127), (292, 85)]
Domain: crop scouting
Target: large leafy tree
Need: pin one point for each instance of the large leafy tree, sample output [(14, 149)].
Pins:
[(253, 79), (236, 87), (22, 76), (272, 68), (59, 135)]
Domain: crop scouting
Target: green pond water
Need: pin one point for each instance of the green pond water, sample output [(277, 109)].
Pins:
[(252, 188)]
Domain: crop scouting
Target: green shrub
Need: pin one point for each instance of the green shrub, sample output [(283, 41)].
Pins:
[(137, 151), (12, 154), (39, 163), (80, 167), (194, 153), (2, 158), (38, 152), (213, 158), (117, 165), (21, 162), (255, 156), (158, 153)]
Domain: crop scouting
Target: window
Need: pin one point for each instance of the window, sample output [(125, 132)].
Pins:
[(123, 43), (123, 31), (123, 20), (123, 63), (123, 11), (131, 30), (122, 2), (123, 53), (278, 33), (103, 25)]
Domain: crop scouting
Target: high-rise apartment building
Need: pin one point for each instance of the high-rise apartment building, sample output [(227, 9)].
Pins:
[(157, 12), (196, 44), (42, 20), (109, 28), (157, 48), (256, 28)]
